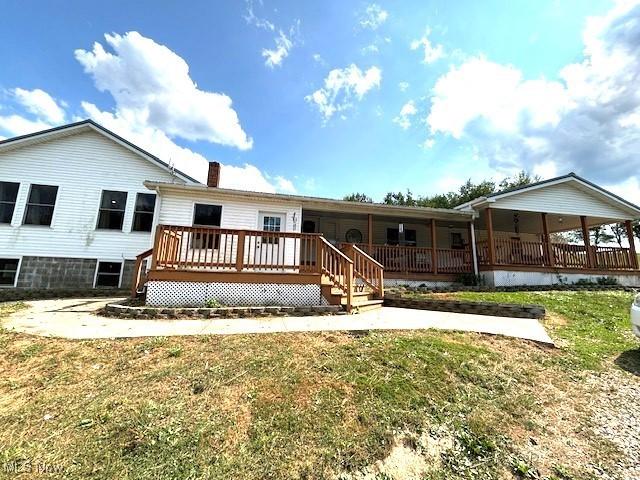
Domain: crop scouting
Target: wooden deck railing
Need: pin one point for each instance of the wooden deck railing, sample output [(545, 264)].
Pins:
[(556, 255), (366, 268), (406, 259), (139, 274)]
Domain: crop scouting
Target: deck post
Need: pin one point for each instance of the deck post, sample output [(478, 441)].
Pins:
[(156, 247), (586, 240), (349, 282), (434, 246), (548, 252), (472, 241), (632, 245), (240, 250), (370, 233), (491, 250)]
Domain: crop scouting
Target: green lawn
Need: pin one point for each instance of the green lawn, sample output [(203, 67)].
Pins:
[(311, 405)]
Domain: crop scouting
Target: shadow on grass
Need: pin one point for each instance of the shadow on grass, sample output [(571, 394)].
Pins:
[(629, 361)]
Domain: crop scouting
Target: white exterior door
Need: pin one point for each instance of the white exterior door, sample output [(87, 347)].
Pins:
[(271, 247)]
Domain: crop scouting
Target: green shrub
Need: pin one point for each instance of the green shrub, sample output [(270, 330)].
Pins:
[(212, 303), (470, 279), (607, 281)]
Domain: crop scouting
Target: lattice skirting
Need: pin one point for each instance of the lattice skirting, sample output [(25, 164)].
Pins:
[(196, 294), (501, 278)]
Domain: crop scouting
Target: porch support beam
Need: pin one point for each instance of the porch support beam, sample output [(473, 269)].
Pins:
[(370, 233), (632, 245), (548, 252), (491, 250), (586, 240), (434, 246)]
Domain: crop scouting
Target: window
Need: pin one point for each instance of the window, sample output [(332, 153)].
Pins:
[(271, 223), (111, 214), (456, 240), (206, 216), (8, 271), (393, 237), (42, 200), (143, 213), (8, 195), (108, 274)]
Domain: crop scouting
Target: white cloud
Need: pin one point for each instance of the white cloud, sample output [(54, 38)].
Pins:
[(18, 125), (284, 42), (407, 111), (373, 48), (431, 52), (41, 104), (586, 121), (249, 177), (403, 86), (274, 57), (152, 88), (373, 17), (343, 85)]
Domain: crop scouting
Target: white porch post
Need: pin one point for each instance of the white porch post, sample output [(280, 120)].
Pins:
[(474, 253)]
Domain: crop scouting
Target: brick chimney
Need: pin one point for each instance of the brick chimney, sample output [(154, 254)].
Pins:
[(213, 177)]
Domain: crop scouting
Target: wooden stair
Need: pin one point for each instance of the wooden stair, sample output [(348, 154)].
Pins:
[(363, 298)]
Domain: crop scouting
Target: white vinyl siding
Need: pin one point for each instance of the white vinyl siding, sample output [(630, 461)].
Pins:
[(177, 209), (82, 166), (563, 199)]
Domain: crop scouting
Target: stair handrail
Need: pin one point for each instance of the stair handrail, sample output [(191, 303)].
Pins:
[(338, 268), (366, 268), (138, 279)]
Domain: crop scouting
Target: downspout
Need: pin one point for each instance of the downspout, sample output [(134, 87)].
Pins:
[(473, 248)]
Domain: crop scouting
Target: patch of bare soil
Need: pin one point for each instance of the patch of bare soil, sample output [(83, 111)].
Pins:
[(410, 457)]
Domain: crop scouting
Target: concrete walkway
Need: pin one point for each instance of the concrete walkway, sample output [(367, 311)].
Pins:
[(76, 318)]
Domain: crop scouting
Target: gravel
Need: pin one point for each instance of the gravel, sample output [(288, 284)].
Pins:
[(616, 417)]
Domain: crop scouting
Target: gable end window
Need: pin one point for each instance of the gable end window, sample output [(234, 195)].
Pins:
[(8, 271), (8, 196), (206, 216), (143, 213), (108, 274), (40, 205), (112, 206)]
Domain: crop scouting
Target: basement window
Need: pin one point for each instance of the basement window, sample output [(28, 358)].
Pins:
[(111, 214), (8, 271), (108, 274), (143, 213), (8, 196), (42, 201)]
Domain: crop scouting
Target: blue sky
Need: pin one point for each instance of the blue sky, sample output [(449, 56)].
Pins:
[(327, 98)]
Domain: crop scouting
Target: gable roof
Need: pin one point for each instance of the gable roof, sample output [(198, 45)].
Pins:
[(570, 177), (90, 125)]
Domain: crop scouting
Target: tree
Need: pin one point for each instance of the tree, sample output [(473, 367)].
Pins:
[(399, 198), (358, 197), (599, 235), (521, 179), (636, 229), (619, 232)]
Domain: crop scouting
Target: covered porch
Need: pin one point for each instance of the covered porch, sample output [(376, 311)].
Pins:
[(411, 243)]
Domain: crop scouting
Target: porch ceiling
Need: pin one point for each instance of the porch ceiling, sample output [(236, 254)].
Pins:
[(531, 222)]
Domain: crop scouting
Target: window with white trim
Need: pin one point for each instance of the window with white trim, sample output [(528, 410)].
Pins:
[(8, 196), (143, 212), (8, 271), (40, 205), (112, 206), (108, 274), (271, 223)]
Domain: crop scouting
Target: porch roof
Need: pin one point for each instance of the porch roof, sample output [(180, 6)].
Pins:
[(317, 203), (565, 195)]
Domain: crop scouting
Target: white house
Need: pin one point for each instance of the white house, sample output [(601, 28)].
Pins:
[(78, 205), (73, 208)]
